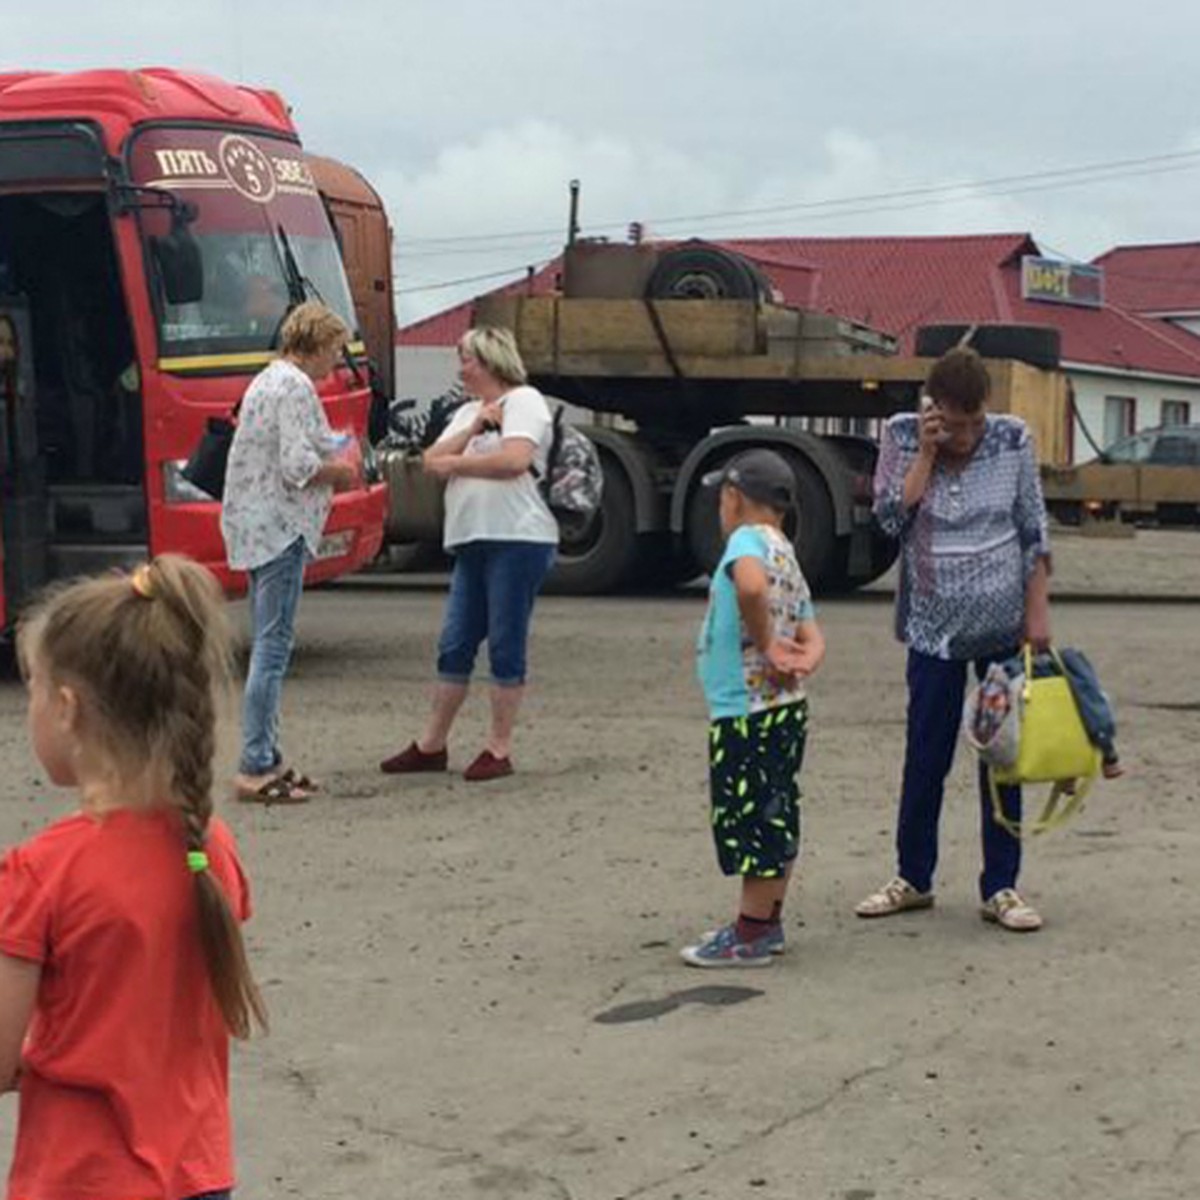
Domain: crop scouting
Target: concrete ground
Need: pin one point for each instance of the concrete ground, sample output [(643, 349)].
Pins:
[(475, 989)]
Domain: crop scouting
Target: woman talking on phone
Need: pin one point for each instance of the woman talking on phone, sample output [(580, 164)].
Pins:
[(960, 488)]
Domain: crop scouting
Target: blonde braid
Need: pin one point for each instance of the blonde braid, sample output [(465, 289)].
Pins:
[(150, 651)]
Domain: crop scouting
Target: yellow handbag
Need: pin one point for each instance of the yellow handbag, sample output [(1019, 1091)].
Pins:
[(1053, 747)]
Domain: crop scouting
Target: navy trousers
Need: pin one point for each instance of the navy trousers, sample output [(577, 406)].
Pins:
[(936, 691)]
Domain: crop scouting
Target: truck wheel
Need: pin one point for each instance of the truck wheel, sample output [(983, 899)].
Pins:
[(811, 529), (1037, 345), (813, 536), (599, 556), (701, 272), (410, 556), (662, 563), (882, 553)]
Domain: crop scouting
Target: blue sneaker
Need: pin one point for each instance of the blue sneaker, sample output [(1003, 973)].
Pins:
[(773, 938), (723, 949)]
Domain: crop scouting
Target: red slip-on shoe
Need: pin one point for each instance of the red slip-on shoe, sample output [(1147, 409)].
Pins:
[(413, 759), (488, 766)]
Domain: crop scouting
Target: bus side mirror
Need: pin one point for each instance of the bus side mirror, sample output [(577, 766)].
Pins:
[(177, 256)]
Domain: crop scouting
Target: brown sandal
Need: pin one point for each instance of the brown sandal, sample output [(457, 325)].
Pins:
[(306, 783), (280, 790)]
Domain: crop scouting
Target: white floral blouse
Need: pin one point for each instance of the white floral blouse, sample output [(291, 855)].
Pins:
[(282, 438)]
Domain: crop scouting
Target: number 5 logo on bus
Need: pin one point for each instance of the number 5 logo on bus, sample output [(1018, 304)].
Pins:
[(247, 168)]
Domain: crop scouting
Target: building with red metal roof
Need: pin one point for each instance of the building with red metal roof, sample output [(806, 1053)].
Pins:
[(1156, 280)]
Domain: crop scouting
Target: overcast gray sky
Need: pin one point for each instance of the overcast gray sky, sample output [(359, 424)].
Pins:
[(470, 116)]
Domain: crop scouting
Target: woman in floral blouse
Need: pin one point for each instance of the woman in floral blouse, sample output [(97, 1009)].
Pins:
[(960, 489), (284, 467)]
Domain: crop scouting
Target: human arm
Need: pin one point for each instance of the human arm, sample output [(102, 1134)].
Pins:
[(19, 979), (523, 420), (1029, 513), (299, 415), (1037, 605), (811, 642), (907, 456), (338, 474), (510, 461), (786, 657), (464, 425)]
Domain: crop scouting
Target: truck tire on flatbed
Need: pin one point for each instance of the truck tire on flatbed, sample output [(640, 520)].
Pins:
[(702, 272), (603, 558), (1037, 345)]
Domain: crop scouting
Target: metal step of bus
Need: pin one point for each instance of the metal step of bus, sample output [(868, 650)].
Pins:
[(97, 512), (68, 559)]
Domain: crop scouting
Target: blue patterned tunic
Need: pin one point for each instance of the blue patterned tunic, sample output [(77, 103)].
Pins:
[(968, 549)]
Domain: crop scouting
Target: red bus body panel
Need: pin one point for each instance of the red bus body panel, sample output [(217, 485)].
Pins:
[(178, 399)]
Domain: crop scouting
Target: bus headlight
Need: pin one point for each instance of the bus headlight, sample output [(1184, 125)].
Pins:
[(177, 490)]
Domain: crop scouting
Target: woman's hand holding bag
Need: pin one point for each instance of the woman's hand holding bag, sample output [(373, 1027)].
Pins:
[(1053, 747)]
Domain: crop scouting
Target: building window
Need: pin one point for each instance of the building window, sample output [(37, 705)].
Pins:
[(1120, 415), (1176, 412)]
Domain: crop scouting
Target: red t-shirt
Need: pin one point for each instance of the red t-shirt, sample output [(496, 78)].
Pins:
[(125, 1071)]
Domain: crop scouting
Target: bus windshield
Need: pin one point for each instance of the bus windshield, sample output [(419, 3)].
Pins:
[(253, 197)]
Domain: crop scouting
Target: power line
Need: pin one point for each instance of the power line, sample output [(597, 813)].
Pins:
[(869, 210), (448, 283), (1064, 177)]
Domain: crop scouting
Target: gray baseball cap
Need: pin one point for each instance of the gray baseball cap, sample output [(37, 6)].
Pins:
[(760, 475)]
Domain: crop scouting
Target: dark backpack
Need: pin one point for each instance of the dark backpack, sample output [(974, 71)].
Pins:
[(573, 482)]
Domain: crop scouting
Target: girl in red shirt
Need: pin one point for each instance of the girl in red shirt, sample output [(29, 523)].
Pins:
[(122, 969)]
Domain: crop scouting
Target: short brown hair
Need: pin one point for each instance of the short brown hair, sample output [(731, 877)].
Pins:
[(959, 380), (310, 328), (149, 653)]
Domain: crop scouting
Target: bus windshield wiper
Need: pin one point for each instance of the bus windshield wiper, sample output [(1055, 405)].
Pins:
[(299, 285)]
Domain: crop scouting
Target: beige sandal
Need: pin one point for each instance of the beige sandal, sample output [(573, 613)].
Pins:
[(897, 895), (1006, 909)]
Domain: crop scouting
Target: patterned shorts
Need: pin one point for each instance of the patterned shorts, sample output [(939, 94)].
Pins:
[(753, 765)]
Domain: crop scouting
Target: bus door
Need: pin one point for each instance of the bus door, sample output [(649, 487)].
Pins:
[(73, 498)]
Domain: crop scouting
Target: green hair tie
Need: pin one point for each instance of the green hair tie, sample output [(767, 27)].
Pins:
[(197, 861)]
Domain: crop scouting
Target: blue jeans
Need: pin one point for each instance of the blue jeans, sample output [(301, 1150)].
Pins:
[(274, 595), (936, 690), (492, 592)]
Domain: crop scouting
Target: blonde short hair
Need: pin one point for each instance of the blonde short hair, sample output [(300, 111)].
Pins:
[(311, 328), (495, 350)]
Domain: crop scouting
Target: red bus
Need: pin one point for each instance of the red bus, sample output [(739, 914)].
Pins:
[(155, 228)]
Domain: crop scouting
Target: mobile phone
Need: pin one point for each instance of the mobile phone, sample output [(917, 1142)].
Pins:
[(929, 405)]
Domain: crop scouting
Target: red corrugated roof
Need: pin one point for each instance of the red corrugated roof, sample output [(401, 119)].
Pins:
[(896, 284), (445, 328), (1153, 279)]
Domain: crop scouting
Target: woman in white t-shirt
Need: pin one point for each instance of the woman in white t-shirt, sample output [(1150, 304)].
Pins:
[(502, 536)]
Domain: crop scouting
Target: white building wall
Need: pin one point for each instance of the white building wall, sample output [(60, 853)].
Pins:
[(1091, 389), (424, 372)]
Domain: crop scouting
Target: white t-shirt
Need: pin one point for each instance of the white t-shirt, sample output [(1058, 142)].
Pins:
[(506, 510)]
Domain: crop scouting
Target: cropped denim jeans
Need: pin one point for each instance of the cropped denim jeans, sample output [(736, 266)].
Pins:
[(492, 592), (274, 596)]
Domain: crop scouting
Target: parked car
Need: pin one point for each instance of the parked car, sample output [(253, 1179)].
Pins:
[(1152, 476), (1165, 445)]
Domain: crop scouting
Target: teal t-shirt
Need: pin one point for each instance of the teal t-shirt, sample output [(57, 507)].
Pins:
[(732, 672)]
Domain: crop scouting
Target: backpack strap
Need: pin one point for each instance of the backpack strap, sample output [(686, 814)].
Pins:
[(552, 455), (1072, 793)]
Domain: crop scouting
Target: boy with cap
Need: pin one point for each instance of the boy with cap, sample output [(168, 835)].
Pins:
[(759, 642)]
